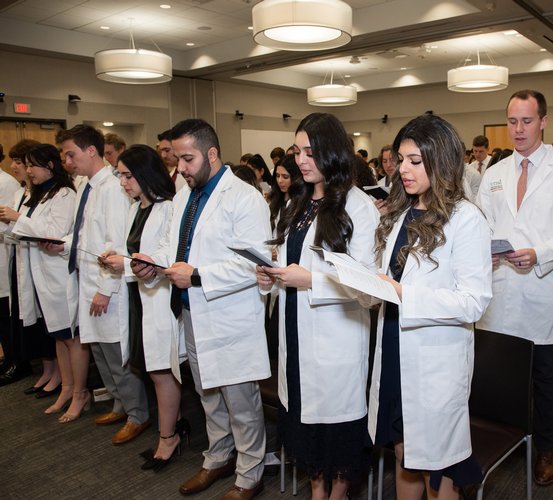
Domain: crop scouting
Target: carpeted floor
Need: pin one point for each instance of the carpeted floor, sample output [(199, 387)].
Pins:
[(42, 459)]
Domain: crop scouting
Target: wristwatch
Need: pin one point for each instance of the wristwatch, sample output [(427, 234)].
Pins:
[(196, 279)]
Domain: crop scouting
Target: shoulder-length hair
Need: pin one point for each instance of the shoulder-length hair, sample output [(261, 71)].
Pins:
[(333, 155), (442, 155), (256, 161), (47, 156), (277, 199), (150, 172)]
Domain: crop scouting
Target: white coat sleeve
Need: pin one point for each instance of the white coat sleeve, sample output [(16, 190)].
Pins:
[(470, 263)]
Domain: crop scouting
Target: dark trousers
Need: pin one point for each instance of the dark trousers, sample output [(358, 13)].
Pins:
[(543, 397), (5, 335)]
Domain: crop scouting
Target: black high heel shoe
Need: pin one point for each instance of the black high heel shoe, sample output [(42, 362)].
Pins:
[(182, 428)]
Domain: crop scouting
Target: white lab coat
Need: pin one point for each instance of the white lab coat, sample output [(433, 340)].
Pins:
[(333, 328), (103, 228), (436, 340), (521, 297), (51, 219), (227, 311), (8, 188), (29, 311), (163, 345)]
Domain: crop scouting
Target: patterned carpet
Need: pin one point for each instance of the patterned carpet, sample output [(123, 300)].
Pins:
[(42, 459)]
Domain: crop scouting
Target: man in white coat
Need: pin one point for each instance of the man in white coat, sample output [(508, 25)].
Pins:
[(516, 198), (215, 296), (96, 291), (165, 150)]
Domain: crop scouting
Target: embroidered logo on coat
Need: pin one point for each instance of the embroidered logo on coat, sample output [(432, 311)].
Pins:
[(496, 186)]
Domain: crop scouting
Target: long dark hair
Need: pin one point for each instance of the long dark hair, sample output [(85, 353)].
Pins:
[(256, 161), (277, 199), (148, 169), (47, 156), (334, 157), (442, 154)]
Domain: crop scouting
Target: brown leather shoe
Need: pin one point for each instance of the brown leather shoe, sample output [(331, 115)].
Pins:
[(203, 479), (129, 431), (543, 470), (110, 418), (237, 493)]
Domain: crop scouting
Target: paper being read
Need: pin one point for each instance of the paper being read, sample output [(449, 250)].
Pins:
[(355, 275)]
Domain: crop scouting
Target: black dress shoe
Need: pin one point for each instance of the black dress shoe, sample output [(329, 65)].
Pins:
[(45, 394), (15, 373), (33, 389)]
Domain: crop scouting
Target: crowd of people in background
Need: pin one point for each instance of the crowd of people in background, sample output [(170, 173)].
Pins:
[(127, 253)]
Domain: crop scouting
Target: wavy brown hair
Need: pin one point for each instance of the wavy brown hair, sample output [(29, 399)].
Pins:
[(443, 158), (334, 157)]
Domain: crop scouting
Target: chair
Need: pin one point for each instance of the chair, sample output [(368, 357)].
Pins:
[(501, 402)]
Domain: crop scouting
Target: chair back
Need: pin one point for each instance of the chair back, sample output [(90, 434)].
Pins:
[(502, 381)]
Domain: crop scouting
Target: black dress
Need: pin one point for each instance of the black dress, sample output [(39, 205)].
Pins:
[(136, 345), (333, 450), (389, 427)]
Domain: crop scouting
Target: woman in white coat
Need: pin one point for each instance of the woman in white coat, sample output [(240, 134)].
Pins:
[(153, 343), (50, 215), (435, 250), (323, 330)]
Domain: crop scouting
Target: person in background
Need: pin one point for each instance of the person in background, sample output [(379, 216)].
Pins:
[(114, 145), (154, 343), (244, 159), (388, 163), (248, 176), (323, 329), (27, 339), (276, 155), (258, 165), (374, 166), (286, 182), (480, 148), (167, 154), (8, 188), (362, 174), (471, 180), (515, 196), (434, 248), (217, 303)]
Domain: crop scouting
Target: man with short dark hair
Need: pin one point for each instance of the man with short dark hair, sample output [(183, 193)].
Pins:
[(165, 150), (216, 299), (480, 148), (276, 155)]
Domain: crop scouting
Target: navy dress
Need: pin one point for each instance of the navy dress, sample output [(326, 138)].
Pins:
[(389, 427), (331, 450)]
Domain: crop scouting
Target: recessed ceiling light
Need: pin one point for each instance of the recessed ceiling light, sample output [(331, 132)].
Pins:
[(433, 46), (165, 6), (401, 56), (190, 44), (543, 50), (105, 27), (510, 32), (357, 134), (403, 68), (468, 59), (347, 76), (107, 124), (250, 28)]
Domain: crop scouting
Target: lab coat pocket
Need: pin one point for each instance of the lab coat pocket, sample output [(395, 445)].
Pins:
[(444, 376)]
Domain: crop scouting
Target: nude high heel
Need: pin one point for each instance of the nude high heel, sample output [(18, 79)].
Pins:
[(69, 417)]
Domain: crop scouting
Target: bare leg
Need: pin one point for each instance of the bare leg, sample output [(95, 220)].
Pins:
[(319, 490), (79, 356), (447, 490), (66, 374), (48, 369), (340, 488), (168, 393), (51, 370), (409, 485)]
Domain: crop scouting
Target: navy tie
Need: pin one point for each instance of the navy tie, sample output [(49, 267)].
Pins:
[(184, 236), (76, 229)]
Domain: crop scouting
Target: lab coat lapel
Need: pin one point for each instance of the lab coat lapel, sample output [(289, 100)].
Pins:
[(392, 237), (510, 187), (539, 177), (213, 202)]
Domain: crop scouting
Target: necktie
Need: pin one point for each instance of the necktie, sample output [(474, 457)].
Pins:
[(184, 236), (76, 229), (522, 181), (480, 167)]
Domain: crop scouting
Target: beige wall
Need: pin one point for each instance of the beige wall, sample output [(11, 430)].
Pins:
[(144, 110)]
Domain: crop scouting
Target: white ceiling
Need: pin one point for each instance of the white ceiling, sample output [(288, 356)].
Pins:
[(397, 42)]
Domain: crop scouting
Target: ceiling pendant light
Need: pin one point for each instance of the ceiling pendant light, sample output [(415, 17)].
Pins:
[(478, 77), (133, 66), (302, 24), (332, 94)]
